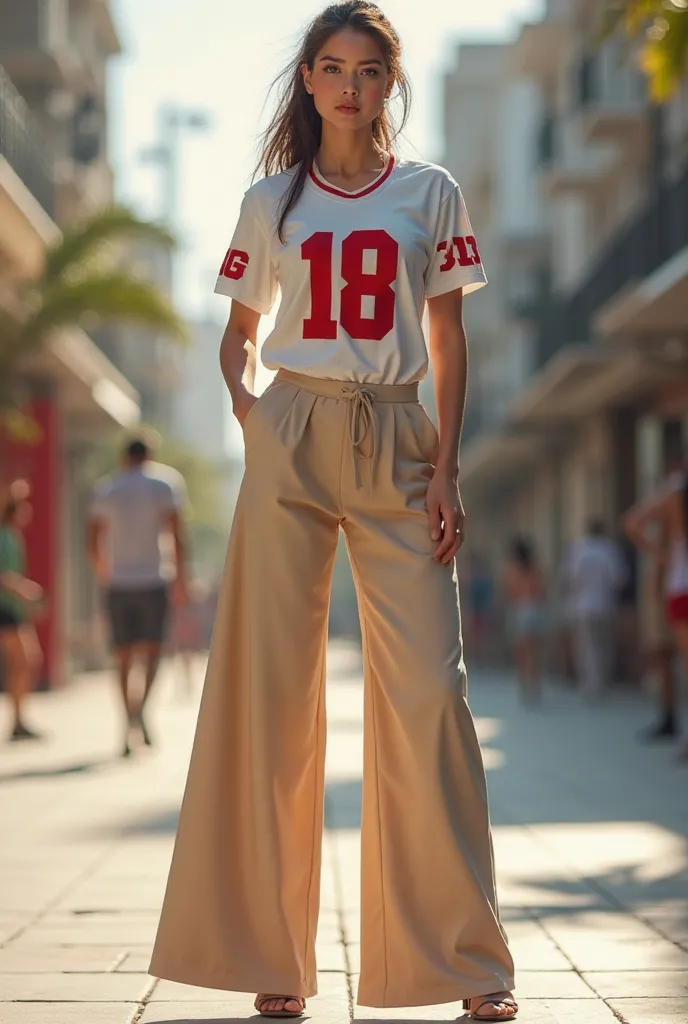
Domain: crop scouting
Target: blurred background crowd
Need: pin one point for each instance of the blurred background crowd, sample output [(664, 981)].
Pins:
[(568, 133)]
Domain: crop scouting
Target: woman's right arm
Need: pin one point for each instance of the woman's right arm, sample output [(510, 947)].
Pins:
[(238, 357), (636, 521)]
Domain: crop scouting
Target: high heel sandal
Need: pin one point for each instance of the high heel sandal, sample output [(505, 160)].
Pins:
[(262, 999), (492, 1000)]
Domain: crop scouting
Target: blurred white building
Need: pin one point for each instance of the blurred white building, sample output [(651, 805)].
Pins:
[(578, 192)]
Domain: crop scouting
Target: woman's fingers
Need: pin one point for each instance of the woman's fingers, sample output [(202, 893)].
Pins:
[(435, 518), (448, 545)]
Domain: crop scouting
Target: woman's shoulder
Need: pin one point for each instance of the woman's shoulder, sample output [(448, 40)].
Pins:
[(424, 173), (270, 188)]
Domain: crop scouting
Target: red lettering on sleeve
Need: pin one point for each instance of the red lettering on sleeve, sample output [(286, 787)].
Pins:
[(449, 260), (473, 246), (463, 251), (234, 264)]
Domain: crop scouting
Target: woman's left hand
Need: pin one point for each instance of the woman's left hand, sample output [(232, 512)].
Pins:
[(447, 516)]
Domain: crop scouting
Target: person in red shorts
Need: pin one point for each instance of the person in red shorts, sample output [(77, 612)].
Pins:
[(660, 528)]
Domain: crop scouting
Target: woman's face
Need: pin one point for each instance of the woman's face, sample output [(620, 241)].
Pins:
[(349, 81)]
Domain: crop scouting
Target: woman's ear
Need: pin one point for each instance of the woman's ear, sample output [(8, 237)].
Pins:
[(306, 75)]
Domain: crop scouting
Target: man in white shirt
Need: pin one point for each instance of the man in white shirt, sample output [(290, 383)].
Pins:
[(593, 575), (135, 514)]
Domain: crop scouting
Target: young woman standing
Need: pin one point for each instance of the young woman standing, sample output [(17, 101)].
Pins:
[(358, 242)]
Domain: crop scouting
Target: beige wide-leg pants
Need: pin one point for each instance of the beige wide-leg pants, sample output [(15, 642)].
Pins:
[(241, 908)]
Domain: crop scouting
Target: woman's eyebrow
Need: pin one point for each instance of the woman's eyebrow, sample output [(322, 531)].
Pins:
[(339, 60)]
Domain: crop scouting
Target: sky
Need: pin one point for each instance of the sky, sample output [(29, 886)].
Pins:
[(219, 57)]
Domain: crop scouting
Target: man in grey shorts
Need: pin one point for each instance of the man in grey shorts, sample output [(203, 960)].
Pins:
[(136, 514)]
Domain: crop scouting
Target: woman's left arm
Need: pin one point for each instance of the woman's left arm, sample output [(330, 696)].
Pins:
[(449, 359)]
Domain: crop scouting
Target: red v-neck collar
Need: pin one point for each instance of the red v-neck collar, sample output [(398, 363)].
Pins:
[(318, 180)]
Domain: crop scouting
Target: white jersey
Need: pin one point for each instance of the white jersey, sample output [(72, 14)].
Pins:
[(354, 271)]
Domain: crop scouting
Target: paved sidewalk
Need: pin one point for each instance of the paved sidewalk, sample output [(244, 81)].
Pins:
[(591, 842)]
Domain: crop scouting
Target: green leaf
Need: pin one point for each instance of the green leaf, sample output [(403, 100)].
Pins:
[(84, 242), (113, 296)]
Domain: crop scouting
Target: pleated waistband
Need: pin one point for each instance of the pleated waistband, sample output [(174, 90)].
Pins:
[(349, 389)]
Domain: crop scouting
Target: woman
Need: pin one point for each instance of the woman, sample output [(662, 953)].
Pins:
[(357, 241), (525, 592), (19, 647), (660, 528)]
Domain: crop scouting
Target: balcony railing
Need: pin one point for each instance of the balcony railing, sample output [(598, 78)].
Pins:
[(21, 146), (640, 248)]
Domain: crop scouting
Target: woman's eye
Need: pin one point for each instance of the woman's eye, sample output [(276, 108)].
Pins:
[(330, 67), (371, 72)]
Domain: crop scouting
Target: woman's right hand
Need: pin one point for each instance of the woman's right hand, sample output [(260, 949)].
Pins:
[(243, 405)]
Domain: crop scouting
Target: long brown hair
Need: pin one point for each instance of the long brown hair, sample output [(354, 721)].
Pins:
[(293, 138)]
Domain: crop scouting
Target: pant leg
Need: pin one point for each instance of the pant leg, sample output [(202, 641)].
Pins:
[(430, 925), (591, 646), (584, 654), (241, 906)]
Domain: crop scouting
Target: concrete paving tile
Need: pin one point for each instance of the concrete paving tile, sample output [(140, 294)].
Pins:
[(551, 985), (603, 924), (93, 988), (532, 1011), (233, 1010), (225, 1012), (65, 959), (542, 985), (67, 1013), (563, 1011), (11, 923), (330, 956), (81, 933), (650, 1011), (137, 962), (640, 984), (588, 953)]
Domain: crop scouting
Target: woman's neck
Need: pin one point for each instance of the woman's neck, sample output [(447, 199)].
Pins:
[(348, 155)]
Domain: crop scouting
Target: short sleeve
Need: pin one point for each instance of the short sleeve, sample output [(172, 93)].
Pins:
[(247, 273), (455, 261)]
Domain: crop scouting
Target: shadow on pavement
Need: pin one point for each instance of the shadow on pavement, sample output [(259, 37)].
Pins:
[(343, 804), (81, 768)]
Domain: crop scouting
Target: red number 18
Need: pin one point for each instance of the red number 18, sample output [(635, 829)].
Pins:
[(317, 250)]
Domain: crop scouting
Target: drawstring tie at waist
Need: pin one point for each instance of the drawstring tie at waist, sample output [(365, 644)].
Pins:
[(362, 398), (362, 422)]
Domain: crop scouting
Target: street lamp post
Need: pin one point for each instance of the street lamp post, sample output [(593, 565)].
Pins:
[(166, 153)]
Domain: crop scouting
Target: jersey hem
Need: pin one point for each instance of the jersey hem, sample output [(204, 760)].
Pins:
[(467, 285)]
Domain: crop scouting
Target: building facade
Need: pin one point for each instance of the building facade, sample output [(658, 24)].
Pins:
[(583, 379), (54, 167)]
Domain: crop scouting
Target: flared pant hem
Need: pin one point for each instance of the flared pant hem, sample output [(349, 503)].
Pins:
[(453, 993), (255, 985)]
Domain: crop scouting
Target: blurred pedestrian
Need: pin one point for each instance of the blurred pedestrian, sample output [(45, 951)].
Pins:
[(358, 244), (525, 592), (593, 575), (134, 512), (659, 640), (21, 599), (667, 513)]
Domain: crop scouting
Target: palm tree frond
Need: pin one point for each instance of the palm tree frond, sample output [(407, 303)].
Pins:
[(84, 241), (114, 296)]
